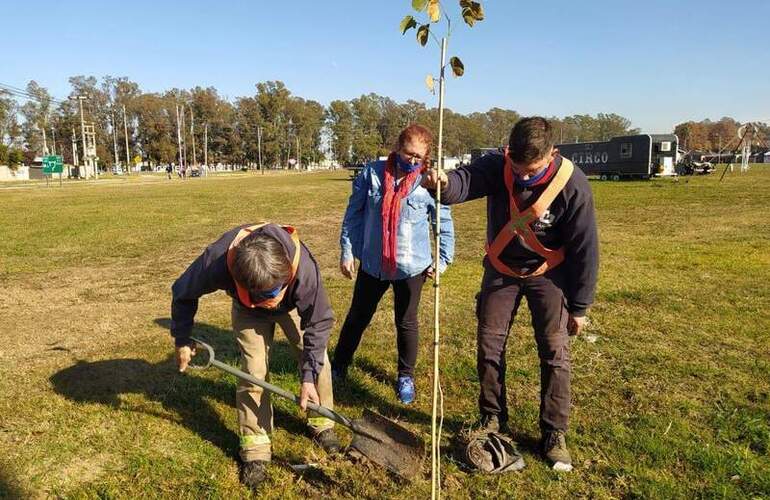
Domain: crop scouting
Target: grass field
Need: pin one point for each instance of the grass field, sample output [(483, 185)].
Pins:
[(672, 400)]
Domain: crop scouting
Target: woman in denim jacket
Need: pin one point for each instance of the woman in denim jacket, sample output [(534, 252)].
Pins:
[(387, 228)]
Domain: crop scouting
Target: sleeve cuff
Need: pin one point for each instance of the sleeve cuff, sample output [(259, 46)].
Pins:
[(309, 376), (347, 253), (578, 311), (310, 368)]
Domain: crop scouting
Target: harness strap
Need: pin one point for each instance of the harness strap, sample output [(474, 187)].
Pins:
[(520, 223), (243, 293)]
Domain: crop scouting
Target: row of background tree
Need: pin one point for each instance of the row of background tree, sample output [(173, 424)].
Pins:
[(286, 126), (714, 136)]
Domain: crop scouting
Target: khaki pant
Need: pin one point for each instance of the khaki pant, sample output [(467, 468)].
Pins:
[(255, 413)]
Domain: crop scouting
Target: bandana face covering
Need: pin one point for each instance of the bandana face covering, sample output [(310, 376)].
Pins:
[(407, 166), (269, 294)]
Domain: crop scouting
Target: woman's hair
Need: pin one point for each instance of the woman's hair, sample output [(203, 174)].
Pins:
[(415, 132)]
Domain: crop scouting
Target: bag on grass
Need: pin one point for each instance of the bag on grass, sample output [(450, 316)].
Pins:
[(489, 452)]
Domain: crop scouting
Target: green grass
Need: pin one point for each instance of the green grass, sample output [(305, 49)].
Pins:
[(671, 401)]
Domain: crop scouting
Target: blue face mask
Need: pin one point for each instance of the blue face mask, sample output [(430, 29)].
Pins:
[(269, 294), (407, 166)]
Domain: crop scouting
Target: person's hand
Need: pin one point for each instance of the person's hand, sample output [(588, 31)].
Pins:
[(431, 178), (575, 324), (183, 356), (348, 268), (307, 393), (429, 272)]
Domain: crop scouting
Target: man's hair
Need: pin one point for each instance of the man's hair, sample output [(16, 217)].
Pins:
[(260, 263), (531, 139), (415, 132)]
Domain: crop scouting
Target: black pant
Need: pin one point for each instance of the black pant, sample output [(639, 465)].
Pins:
[(366, 295), (497, 304)]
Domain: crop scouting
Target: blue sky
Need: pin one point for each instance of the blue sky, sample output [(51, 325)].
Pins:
[(657, 63)]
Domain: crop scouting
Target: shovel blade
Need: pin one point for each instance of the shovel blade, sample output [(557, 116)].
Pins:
[(395, 447)]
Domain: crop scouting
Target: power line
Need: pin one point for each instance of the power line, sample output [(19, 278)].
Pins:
[(24, 94)]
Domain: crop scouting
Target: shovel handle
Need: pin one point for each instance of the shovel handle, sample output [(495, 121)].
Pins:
[(321, 410)]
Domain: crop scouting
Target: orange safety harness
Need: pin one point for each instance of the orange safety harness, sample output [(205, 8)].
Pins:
[(243, 293), (520, 223)]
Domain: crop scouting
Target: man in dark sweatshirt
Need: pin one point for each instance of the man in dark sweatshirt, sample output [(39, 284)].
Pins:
[(272, 279), (542, 244)]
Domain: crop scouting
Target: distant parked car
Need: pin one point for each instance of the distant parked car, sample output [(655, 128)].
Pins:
[(117, 171), (195, 172), (691, 167)]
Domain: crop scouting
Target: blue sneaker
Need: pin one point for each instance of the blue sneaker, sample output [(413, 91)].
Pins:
[(405, 389)]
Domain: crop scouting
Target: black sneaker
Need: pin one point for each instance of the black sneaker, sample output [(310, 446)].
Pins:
[(253, 473), (555, 451), (492, 423), (327, 439)]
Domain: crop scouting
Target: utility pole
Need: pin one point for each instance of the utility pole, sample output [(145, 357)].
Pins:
[(178, 138), (74, 151), (259, 149), (125, 133), (53, 134), (206, 146), (184, 137), (192, 136), (45, 144), (80, 99), (114, 138), (299, 166)]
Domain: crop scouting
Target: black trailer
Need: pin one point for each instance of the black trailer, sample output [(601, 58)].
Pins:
[(631, 156), (479, 152)]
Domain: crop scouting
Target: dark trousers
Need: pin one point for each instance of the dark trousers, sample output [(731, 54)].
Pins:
[(366, 295), (496, 308)]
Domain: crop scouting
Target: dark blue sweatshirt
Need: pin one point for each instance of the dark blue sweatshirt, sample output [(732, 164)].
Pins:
[(570, 222), (209, 273)]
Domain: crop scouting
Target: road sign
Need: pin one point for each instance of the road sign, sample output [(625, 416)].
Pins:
[(53, 164)]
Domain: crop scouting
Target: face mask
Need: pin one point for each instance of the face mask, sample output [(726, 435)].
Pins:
[(269, 294), (407, 166)]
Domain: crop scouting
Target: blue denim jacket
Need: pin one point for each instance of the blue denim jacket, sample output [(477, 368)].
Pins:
[(361, 235)]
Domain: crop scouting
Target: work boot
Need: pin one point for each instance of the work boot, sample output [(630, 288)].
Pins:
[(555, 451), (492, 423), (405, 389), (327, 439), (253, 473)]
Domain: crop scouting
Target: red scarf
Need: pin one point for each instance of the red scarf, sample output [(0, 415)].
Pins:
[(391, 211)]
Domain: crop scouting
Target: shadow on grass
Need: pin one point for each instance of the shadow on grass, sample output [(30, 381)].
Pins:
[(9, 487), (183, 395), (355, 393)]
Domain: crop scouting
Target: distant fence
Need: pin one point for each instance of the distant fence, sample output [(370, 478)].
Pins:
[(20, 173)]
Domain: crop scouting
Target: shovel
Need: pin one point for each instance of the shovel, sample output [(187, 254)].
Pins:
[(379, 439)]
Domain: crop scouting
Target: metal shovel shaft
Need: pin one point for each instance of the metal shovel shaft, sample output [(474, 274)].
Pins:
[(379, 439), (321, 410)]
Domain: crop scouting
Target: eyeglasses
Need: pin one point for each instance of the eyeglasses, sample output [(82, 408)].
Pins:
[(411, 157)]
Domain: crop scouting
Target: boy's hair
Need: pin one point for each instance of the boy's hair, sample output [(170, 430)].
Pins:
[(415, 132), (531, 139), (260, 263)]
